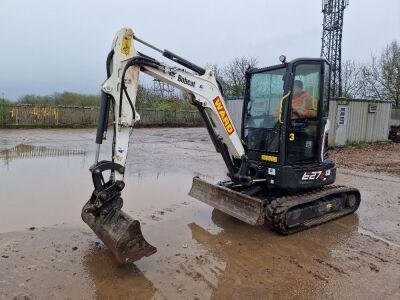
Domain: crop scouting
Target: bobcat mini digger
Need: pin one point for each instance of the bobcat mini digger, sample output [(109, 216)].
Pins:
[(278, 165)]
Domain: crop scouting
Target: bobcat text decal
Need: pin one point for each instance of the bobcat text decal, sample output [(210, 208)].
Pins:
[(186, 81), (223, 115)]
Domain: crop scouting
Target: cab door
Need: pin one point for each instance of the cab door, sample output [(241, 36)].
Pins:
[(304, 113)]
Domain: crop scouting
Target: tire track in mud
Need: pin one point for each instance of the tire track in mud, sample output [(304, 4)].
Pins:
[(364, 267), (301, 271), (331, 266), (186, 274), (189, 271)]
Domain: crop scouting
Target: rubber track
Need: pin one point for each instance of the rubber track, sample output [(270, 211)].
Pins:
[(277, 208)]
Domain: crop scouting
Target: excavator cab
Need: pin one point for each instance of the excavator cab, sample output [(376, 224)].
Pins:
[(284, 131), (285, 124)]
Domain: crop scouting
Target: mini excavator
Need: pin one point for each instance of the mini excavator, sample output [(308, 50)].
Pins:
[(278, 165)]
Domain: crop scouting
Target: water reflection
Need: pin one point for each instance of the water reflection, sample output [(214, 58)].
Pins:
[(29, 151), (114, 281), (265, 263)]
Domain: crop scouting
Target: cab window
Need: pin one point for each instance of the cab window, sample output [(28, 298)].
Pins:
[(306, 91)]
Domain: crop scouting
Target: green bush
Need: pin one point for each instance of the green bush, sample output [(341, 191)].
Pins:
[(66, 98)]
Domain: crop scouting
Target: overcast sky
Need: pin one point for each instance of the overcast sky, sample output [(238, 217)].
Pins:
[(52, 46)]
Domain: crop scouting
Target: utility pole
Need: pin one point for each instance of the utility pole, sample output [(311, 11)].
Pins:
[(332, 29)]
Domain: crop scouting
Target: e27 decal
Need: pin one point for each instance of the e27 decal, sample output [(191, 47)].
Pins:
[(315, 175)]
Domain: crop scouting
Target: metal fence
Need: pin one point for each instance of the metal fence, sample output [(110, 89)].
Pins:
[(154, 117), (71, 116)]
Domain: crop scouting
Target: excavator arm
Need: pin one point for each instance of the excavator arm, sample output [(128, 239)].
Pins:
[(120, 89), (103, 211)]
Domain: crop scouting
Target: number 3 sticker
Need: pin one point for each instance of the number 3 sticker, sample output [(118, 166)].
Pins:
[(291, 137)]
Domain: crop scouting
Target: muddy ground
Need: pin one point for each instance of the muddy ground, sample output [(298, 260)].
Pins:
[(383, 157), (47, 252)]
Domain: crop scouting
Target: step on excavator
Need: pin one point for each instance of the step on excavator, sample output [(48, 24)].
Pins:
[(278, 165)]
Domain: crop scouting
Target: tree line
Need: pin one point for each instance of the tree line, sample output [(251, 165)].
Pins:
[(146, 98), (377, 79)]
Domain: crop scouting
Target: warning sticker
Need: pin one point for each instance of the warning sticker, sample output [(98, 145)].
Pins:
[(126, 44)]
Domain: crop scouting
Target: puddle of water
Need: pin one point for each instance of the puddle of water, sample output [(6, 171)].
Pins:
[(43, 187), (42, 192)]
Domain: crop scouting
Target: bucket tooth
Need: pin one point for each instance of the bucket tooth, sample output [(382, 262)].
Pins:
[(241, 206), (120, 233)]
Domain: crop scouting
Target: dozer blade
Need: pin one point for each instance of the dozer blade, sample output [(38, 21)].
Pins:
[(120, 233), (243, 207)]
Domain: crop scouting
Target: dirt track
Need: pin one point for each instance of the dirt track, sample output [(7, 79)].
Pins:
[(202, 253)]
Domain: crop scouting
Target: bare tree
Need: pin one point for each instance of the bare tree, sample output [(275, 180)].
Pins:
[(351, 75), (234, 74), (389, 64), (381, 78), (219, 75), (371, 84)]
